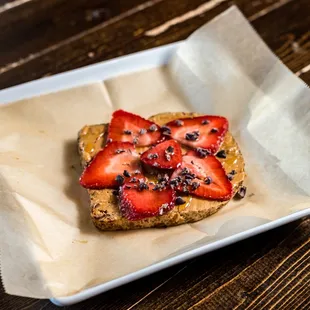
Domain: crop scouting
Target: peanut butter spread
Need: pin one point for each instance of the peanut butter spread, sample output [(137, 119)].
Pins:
[(104, 205)]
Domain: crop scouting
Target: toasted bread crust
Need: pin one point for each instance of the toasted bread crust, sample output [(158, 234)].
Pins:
[(104, 209)]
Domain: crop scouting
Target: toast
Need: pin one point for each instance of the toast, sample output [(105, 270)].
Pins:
[(104, 208)]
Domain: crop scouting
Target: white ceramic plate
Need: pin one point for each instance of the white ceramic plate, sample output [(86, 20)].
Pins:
[(106, 70)]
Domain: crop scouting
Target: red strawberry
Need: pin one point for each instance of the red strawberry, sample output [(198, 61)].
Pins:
[(137, 204), (129, 127), (206, 132), (165, 155), (112, 166), (203, 177)]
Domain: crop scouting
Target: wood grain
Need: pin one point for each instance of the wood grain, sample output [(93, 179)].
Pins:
[(127, 35), (39, 24), (44, 37)]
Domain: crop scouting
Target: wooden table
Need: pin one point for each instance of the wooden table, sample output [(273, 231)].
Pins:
[(43, 37)]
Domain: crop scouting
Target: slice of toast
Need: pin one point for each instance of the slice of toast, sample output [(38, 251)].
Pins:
[(104, 205)]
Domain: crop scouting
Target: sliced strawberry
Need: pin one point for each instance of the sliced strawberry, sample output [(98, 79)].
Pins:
[(117, 163), (129, 127), (203, 177), (165, 155), (206, 132), (137, 204)]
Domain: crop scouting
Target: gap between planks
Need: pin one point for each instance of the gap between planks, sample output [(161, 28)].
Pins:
[(12, 5)]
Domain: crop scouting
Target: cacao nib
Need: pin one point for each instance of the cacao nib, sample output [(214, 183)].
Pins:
[(202, 153), (119, 179), (208, 180), (241, 193), (179, 201), (170, 149), (126, 174), (153, 128), (221, 154), (230, 177), (143, 186), (195, 185), (192, 136), (178, 122), (165, 130)]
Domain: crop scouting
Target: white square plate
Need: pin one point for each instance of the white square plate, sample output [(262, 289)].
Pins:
[(107, 70)]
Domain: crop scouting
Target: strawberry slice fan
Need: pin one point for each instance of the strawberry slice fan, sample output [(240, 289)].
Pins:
[(198, 172)]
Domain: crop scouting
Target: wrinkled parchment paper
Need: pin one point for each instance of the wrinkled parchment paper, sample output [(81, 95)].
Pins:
[(49, 247)]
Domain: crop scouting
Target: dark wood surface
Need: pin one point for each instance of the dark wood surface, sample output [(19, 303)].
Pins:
[(43, 37)]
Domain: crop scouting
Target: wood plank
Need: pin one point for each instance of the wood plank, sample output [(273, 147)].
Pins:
[(39, 24), (128, 35)]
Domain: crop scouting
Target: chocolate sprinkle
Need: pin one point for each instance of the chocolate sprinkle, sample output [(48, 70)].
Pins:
[(126, 174), (202, 153), (115, 193), (208, 180), (214, 130), (233, 172), (127, 132), (178, 122), (221, 154), (205, 122), (127, 186), (119, 179), (142, 131), (133, 180), (241, 193), (109, 140), (179, 201)]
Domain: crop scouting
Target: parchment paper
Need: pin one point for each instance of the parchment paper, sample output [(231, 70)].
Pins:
[(48, 245)]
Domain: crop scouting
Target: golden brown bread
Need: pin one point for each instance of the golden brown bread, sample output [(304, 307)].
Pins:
[(104, 206)]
